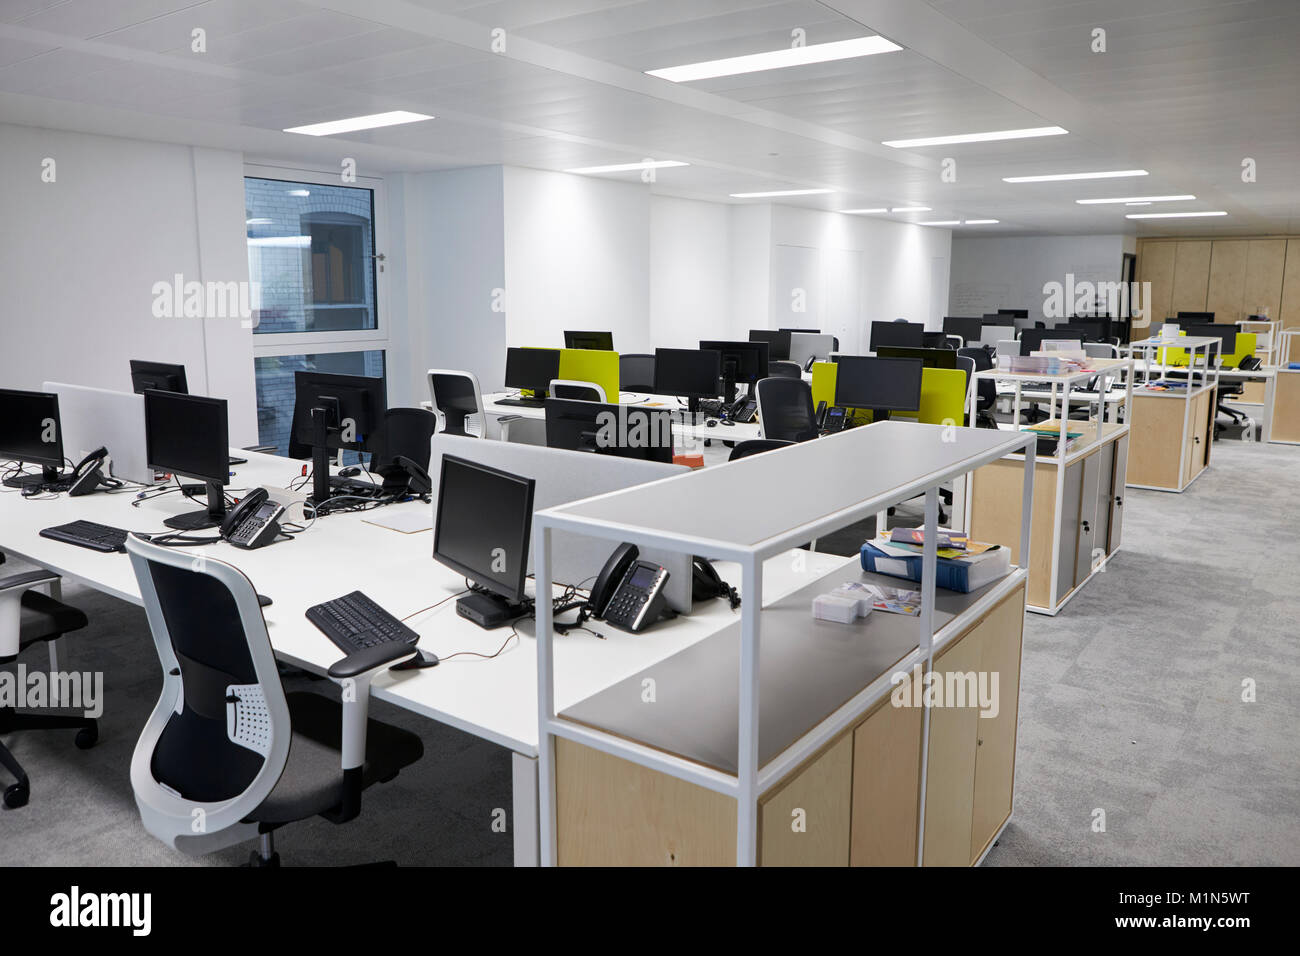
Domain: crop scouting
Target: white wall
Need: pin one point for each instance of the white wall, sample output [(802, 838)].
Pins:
[(993, 273), (690, 272), (81, 255)]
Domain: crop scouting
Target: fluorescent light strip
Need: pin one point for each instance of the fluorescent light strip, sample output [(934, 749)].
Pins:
[(1062, 177), (863, 212), (782, 192), (981, 222), (352, 124), (976, 137), (1172, 215), (628, 167), (777, 59), (941, 222), (911, 209), (1133, 199)]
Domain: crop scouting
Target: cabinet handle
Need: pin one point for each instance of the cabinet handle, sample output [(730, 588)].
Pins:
[(1119, 500), (979, 743), (1086, 529)]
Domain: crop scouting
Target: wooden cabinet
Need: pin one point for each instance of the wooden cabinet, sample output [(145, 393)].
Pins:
[(1171, 438), (886, 787), (1286, 407), (1197, 453), (805, 821), (950, 764), (1233, 278)]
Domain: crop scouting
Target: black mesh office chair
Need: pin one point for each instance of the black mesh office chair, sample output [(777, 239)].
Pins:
[(636, 373), (226, 755), (783, 369), (785, 408), (457, 401), (986, 390), (1232, 390), (406, 435), (756, 446), (30, 617)]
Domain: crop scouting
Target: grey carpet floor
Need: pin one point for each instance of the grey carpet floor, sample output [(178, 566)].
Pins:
[(1130, 704)]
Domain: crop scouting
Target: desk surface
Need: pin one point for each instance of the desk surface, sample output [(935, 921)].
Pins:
[(495, 699), (738, 433)]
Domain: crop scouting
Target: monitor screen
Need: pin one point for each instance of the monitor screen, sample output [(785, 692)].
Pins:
[(805, 331), (30, 430), (689, 373), (930, 358), (1227, 333), (778, 343), (599, 341), (482, 525), (161, 376), (1031, 340), (749, 358), (969, 329), (187, 435), (1196, 316), (909, 335), (354, 410), (532, 369), (1014, 313), (888, 384), (625, 431)]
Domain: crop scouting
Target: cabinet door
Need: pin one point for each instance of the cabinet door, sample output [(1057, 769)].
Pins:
[(1194, 460), (886, 787), (950, 765), (1105, 468), (1068, 519), (805, 821), (1087, 520), (995, 737), (1119, 480)]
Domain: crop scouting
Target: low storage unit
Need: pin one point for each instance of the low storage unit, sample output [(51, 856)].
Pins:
[(1285, 415), (1173, 427)]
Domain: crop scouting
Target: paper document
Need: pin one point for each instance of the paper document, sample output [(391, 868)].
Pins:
[(407, 522)]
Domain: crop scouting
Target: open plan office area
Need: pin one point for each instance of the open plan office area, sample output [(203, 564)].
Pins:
[(780, 433)]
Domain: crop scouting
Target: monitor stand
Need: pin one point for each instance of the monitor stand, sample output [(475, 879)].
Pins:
[(489, 611), (48, 476), (199, 520), (879, 415)]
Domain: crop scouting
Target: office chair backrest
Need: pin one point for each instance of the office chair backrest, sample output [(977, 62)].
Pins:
[(582, 391), (457, 401), (636, 372), (781, 369), (983, 361), (407, 432), (756, 446), (785, 408), (218, 739)]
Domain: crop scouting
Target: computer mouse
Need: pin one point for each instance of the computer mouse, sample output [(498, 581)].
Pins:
[(711, 422), (731, 423), (350, 472), (264, 601)]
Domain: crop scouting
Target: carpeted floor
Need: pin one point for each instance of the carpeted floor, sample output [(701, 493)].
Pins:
[(1131, 704)]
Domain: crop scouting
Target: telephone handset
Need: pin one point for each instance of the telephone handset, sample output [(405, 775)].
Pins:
[(88, 476), (253, 523), (743, 411), (629, 593), (406, 477)]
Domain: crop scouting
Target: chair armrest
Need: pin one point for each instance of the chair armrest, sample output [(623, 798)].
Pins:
[(369, 659), (25, 579)]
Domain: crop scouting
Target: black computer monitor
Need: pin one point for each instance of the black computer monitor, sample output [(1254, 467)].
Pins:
[(807, 331), (532, 369), (970, 329), (1098, 330), (1077, 330), (908, 335), (1014, 313), (481, 530), (1031, 340), (332, 412), (935, 340), (742, 362), (31, 433), (161, 376), (600, 341), (880, 384), (625, 431), (930, 358), (688, 373), (187, 435), (1196, 317), (1220, 330), (778, 343)]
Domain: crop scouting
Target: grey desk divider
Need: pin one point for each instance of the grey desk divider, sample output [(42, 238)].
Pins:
[(97, 417), (806, 345), (564, 476)]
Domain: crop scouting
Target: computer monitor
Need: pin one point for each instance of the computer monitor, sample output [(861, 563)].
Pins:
[(1081, 331), (908, 335), (161, 376), (1196, 317), (935, 340), (1031, 340), (968, 328), (742, 362), (778, 343), (625, 431), (599, 341), (804, 331), (1220, 330), (532, 369), (1015, 313), (1097, 330), (187, 435), (32, 433), (688, 373), (930, 358), (880, 384), (481, 530), (333, 412)]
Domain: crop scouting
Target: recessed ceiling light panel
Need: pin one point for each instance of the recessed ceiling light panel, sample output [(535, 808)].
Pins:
[(354, 123), (976, 137), (777, 59), (1063, 177)]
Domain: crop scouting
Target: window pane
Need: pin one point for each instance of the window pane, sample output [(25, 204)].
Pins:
[(274, 374), (311, 253)]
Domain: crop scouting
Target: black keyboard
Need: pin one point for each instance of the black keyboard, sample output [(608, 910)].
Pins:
[(354, 622), (522, 402), (88, 534)]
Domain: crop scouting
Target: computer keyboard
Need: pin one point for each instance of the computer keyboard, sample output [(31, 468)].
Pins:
[(354, 622), (522, 402), (88, 534)]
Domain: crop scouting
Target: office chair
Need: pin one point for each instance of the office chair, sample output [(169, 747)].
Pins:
[(785, 407), (581, 391), (29, 617), (226, 755), (458, 402), (1228, 391), (756, 446), (986, 390), (783, 369), (636, 372)]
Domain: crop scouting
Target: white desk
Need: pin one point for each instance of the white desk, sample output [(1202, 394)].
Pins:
[(495, 700)]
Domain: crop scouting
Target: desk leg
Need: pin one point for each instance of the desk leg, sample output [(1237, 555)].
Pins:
[(524, 787), (56, 592), (1266, 416)]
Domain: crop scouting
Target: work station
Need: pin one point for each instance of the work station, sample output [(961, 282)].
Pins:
[(638, 434)]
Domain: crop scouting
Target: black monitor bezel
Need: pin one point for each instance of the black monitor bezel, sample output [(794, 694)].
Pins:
[(220, 475), (49, 461), (850, 361)]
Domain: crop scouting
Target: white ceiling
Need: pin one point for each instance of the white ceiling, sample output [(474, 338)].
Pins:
[(1186, 89)]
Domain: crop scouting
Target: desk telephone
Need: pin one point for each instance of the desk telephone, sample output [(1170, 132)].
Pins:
[(89, 477), (629, 593), (254, 522)]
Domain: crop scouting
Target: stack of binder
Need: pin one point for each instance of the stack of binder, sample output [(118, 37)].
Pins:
[(962, 565)]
